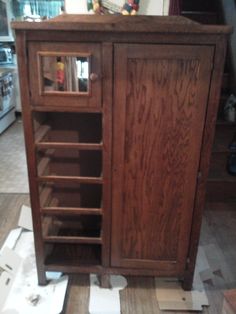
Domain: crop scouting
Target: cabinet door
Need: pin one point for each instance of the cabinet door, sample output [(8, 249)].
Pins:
[(160, 105), (65, 74)]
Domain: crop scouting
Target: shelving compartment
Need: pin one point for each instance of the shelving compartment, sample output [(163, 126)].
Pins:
[(68, 129), (69, 162), (71, 229), (72, 255), (74, 241), (67, 198)]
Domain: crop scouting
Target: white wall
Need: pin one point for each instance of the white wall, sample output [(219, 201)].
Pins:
[(147, 7), (151, 7), (76, 7)]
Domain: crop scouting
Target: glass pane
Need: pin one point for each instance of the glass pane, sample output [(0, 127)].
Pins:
[(65, 74)]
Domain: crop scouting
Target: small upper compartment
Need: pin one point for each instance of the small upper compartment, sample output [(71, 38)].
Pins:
[(65, 74)]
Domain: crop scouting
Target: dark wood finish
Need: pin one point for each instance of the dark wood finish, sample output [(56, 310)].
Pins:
[(139, 295), (30, 155), (208, 138), (159, 24), (92, 99), (150, 115), (155, 171)]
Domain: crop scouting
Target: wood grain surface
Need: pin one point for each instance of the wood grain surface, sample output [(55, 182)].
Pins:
[(158, 134), (139, 295)]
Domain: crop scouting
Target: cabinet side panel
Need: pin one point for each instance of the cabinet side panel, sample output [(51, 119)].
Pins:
[(166, 96)]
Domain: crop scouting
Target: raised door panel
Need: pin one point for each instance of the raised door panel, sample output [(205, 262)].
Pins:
[(159, 111), (65, 75)]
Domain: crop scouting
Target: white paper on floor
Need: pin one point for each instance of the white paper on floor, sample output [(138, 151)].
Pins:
[(9, 265), (11, 239), (25, 296), (171, 296), (25, 219), (106, 301)]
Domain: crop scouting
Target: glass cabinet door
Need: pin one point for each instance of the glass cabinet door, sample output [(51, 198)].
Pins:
[(65, 74)]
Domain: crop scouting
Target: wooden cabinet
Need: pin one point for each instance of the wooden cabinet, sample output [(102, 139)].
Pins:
[(119, 117)]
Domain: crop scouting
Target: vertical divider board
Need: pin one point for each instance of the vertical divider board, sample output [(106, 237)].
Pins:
[(21, 42), (107, 83)]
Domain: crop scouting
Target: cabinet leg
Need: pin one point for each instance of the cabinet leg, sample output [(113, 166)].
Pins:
[(42, 279), (105, 281), (187, 283)]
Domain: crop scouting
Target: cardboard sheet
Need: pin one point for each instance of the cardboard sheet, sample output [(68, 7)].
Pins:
[(25, 296), (25, 219), (11, 239), (106, 301), (171, 296)]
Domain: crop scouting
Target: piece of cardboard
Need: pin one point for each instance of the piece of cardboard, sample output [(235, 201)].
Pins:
[(11, 239), (6, 281), (171, 296), (10, 261), (25, 219), (25, 296), (105, 301), (9, 265)]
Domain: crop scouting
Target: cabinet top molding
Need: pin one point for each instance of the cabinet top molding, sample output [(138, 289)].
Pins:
[(120, 23)]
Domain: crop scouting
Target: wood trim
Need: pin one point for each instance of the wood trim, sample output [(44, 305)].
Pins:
[(71, 211), (107, 83), (64, 145), (111, 271), (207, 143), (68, 109), (118, 23), (64, 239), (92, 98), (53, 178), (30, 155), (120, 53)]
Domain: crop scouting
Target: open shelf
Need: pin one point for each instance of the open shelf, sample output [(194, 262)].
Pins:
[(56, 129), (69, 162), (74, 197), (70, 229), (67, 254)]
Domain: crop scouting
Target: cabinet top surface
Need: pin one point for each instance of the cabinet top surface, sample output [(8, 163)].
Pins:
[(120, 23)]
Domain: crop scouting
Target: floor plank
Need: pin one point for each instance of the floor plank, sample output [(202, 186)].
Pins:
[(10, 205)]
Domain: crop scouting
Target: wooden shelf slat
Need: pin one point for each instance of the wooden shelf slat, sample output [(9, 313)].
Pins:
[(71, 211), (41, 132), (45, 194), (43, 164), (53, 178), (70, 239), (64, 145)]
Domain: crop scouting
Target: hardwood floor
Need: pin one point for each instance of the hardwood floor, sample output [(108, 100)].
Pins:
[(10, 205), (218, 241)]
